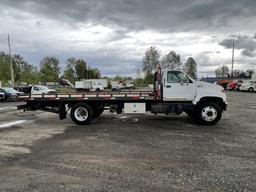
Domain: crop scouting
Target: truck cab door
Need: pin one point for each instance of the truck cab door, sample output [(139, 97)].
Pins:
[(178, 87)]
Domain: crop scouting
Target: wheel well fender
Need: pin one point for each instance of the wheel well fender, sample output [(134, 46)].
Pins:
[(216, 100)]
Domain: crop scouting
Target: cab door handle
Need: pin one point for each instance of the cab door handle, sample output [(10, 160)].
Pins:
[(168, 86)]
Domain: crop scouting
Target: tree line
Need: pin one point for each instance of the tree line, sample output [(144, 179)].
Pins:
[(224, 71), (48, 70), (77, 69), (172, 61)]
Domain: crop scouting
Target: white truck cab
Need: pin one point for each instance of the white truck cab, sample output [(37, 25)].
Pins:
[(206, 99), (178, 86)]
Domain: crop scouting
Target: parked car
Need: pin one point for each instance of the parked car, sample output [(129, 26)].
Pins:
[(235, 85), (224, 83), (66, 83), (248, 86), (1, 95), (239, 84), (9, 94), (117, 85), (129, 85), (35, 89), (39, 89)]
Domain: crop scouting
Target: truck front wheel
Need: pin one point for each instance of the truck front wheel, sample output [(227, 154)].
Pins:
[(81, 114), (208, 113)]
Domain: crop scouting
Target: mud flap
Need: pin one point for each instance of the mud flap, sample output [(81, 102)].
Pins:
[(62, 111)]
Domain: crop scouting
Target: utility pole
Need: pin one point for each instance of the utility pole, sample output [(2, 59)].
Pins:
[(233, 53), (10, 55)]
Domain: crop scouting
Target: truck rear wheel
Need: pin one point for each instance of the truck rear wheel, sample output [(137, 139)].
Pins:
[(208, 113), (81, 114)]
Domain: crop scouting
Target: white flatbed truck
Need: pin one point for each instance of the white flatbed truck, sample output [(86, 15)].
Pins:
[(174, 92)]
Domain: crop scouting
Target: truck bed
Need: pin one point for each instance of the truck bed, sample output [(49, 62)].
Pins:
[(122, 95)]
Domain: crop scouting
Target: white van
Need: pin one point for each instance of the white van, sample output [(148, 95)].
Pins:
[(89, 85)]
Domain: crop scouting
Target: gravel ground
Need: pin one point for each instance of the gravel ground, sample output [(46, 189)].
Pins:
[(38, 152)]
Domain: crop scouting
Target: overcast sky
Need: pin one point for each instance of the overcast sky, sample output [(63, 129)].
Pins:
[(113, 35)]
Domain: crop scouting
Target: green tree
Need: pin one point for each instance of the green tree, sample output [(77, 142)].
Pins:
[(150, 60), (191, 67), (94, 73), (118, 78), (149, 79), (23, 72), (30, 74), (49, 69), (81, 69), (70, 72), (18, 64), (171, 61), (5, 71), (139, 82)]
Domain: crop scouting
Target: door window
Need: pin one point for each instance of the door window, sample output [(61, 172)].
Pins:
[(177, 77), (36, 89)]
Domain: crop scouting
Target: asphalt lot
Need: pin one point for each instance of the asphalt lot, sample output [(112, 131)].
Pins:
[(38, 152)]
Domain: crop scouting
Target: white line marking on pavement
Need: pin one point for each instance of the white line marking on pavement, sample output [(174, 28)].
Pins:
[(10, 124), (8, 108)]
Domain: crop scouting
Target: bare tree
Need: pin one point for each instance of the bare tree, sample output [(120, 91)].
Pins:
[(171, 61), (222, 71), (191, 67), (150, 60)]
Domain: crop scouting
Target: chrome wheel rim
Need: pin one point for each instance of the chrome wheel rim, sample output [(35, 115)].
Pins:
[(81, 114), (209, 113)]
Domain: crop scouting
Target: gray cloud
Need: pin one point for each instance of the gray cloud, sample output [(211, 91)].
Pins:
[(171, 15), (109, 62), (242, 42), (41, 27), (118, 35)]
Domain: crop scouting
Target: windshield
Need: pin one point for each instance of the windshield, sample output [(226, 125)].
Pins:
[(43, 88), (9, 90)]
